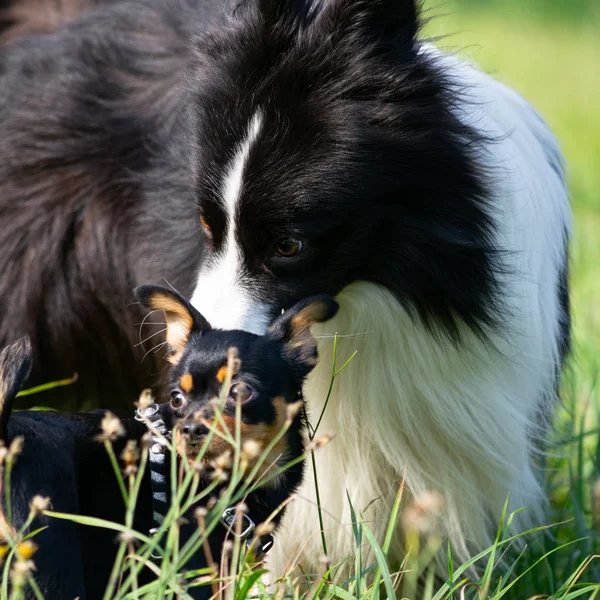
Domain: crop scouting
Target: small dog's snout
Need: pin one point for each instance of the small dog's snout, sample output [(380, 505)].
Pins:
[(193, 431)]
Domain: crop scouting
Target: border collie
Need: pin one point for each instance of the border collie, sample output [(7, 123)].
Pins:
[(300, 148)]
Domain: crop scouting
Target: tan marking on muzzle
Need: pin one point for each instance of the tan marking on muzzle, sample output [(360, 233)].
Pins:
[(261, 433)]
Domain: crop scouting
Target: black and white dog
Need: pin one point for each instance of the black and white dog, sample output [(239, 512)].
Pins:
[(300, 148)]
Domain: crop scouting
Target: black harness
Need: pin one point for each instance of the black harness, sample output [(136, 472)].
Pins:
[(159, 462)]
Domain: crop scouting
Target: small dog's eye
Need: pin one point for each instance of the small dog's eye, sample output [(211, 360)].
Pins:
[(177, 399), (241, 392), (288, 247)]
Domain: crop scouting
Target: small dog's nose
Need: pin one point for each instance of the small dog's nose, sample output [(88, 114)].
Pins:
[(193, 430)]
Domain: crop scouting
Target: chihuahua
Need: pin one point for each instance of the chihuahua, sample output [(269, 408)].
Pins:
[(61, 457)]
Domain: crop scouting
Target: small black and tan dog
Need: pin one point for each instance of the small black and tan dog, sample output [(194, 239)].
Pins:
[(62, 457)]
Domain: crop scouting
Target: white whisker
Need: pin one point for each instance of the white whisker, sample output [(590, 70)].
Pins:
[(172, 287), (150, 337), (154, 349), (142, 324)]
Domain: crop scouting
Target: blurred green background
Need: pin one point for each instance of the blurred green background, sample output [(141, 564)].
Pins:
[(549, 50), (578, 10)]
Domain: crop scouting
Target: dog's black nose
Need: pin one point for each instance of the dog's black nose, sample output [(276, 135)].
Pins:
[(193, 430)]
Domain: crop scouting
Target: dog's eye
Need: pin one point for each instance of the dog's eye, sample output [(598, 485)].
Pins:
[(288, 247), (177, 399), (241, 392)]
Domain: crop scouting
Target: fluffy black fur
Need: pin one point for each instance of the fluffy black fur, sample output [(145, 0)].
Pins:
[(359, 157), (116, 132), (63, 459), (116, 128), (96, 191)]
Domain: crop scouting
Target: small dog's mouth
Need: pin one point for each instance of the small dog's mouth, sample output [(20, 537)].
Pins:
[(195, 443), (194, 447), (191, 446)]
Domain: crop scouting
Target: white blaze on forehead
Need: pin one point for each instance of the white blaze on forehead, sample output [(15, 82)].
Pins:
[(234, 178), (219, 294)]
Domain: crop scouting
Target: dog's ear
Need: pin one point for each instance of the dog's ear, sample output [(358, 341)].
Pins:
[(182, 318), (276, 9), (372, 22), (292, 328), (15, 366), (292, 12)]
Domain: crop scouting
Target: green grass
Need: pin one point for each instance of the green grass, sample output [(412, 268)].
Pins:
[(549, 50), (545, 10)]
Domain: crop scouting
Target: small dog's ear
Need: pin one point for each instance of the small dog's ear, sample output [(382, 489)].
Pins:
[(15, 366), (182, 318), (293, 328)]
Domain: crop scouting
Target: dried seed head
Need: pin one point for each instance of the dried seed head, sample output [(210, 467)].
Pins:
[(293, 409), (112, 428), (39, 504), (264, 529), (3, 452), (422, 514), (200, 513), (15, 448), (26, 549), (251, 449), (211, 503), (220, 475), (131, 453), (146, 441), (146, 400), (127, 537), (130, 470), (233, 360), (319, 442), (20, 572), (241, 508), (224, 461), (227, 547), (198, 466)]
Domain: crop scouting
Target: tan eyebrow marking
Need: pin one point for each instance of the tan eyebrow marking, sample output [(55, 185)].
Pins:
[(222, 374), (186, 382)]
